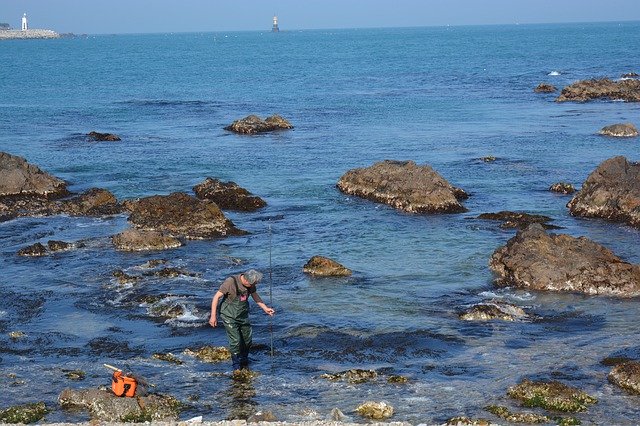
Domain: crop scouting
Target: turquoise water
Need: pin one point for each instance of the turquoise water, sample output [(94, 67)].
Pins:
[(442, 96)]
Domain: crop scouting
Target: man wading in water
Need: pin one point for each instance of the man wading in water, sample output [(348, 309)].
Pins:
[(234, 312)]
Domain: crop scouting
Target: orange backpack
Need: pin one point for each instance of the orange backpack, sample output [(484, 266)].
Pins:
[(122, 385)]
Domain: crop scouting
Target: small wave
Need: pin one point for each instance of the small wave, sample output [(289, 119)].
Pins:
[(554, 73), (165, 102), (3, 313)]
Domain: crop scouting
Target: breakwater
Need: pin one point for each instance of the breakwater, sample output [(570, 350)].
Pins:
[(27, 34)]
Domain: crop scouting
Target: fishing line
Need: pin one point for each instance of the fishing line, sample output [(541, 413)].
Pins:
[(270, 293)]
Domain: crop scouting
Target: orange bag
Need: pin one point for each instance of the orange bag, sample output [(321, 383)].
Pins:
[(122, 385)]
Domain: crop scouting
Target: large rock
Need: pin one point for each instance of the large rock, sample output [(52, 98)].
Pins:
[(405, 186), (621, 130), (228, 195), (627, 376), (375, 410), (494, 310), (611, 192), (103, 137), (536, 260), (324, 267), (551, 395), (586, 90), (545, 88), (253, 124), (19, 178), (137, 240), (562, 188), (518, 220), (94, 202), (180, 214)]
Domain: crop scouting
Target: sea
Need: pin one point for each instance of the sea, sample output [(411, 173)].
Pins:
[(443, 96)]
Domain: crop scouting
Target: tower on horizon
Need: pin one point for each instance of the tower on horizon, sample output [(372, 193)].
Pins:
[(275, 28), (25, 25)]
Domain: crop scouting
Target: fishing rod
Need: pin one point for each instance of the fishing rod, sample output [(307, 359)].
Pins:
[(270, 293)]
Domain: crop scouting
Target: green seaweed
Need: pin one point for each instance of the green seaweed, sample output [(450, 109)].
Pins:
[(27, 413)]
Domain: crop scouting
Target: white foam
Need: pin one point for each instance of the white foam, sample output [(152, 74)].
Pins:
[(491, 295), (3, 313), (554, 73)]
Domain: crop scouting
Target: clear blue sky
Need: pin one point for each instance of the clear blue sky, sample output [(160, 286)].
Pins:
[(141, 16)]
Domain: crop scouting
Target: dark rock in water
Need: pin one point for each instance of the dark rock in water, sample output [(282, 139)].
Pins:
[(375, 410), (526, 417), (536, 260), (228, 195), (353, 376), (75, 375), (404, 185), (253, 124), (545, 88), (180, 214), (627, 376), (103, 405), (171, 273), (586, 90), (139, 240), (612, 361), (24, 414), (59, 245), (518, 220), (630, 75), (398, 380), (94, 202), (611, 192), (168, 357), (325, 267), (167, 309), (551, 395), (34, 250), (562, 188), (154, 263), (210, 353), (19, 178), (489, 159), (124, 278), (262, 416), (104, 137), (493, 310), (621, 130)]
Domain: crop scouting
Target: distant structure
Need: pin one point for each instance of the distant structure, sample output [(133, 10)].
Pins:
[(25, 24), (275, 28), (24, 32)]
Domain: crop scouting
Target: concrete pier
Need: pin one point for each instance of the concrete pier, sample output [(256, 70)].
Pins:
[(27, 34)]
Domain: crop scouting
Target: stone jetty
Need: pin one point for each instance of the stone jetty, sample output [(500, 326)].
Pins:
[(27, 34)]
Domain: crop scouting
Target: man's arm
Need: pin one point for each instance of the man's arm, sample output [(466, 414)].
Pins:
[(267, 310), (214, 307)]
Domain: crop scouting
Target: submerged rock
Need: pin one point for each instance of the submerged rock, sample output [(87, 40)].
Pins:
[(18, 178), (545, 88), (627, 376), (586, 90), (25, 414), (244, 375), (536, 260), (562, 188), (466, 421), (54, 245), (518, 220), (140, 240), (404, 185), (168, 357), (262, 416), (397, 380), (75, 375), (325, 267), (493, 310), (103, 137), (124, 278), (526, 417), (253, 124), (210, 353), (375, 410), (228, 195), (489, 159), (34, 250), (623, 130), (171, 273), (354, 375), (551, 395), (15, 335), (611, 192)]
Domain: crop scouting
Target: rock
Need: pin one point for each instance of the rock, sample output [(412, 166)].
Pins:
[(611, 192), (337, 416), (526, 417), (622, 130), (15, 335), (168, 357), (545, 88), (75, 375), (19, 178), (586, 90), (405, 186), (167, 309), (627, 376), (562, 188), (210, 353), (551, 395), (325, 267), (262, 416), (124, 278), (536, 260), (25, 414), (228, 195), (139, 240), (54, 245), (103, 137), (180, 214), (94, 202), (105, 406), (244, 375), (489, 159), (630, 75), (493, 310), (34, 250), (518, 220), (397, 380), (353, 376), (466, 421), (375, 410), (612, 361), (171, 273), (253, 124), (154, 263)]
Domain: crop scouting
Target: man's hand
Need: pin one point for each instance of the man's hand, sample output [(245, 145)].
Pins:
[(213, 321), (269, 311)]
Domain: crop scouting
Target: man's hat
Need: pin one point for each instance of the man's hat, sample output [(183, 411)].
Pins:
[(252, 276)]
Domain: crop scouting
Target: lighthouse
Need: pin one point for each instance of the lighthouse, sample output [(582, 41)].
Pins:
[(275, 28), (25, 25)]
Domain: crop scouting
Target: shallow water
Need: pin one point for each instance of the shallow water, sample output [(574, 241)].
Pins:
[(442, 96)]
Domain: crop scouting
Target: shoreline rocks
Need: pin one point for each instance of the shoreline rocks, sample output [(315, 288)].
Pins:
[(103, 137), (321, 266), (405, 186), (18, 178), (626, 376), (518, 220), (493, 310), (562, 188), (545, 88), (38, 249), (24, 414), (253, 124), (586, 90), (620, 130), (551, 395), (138, 240), (228, 195), (210, 353)]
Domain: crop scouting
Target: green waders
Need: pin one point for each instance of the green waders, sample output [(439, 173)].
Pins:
[(235, 317)]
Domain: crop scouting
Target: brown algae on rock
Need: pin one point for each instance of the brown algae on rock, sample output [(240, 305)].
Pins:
[(168, 357), (627, 376), (210, 353), (551, 395), (375, 410), (353, 376), (25, 414), (526, 417)]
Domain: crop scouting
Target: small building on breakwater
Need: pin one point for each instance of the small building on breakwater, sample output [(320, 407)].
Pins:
[(25, 32)]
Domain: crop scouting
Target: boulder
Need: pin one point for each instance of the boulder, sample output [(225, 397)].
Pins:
[(354, 376), (94, 202), (54, 245), (611, 192), (622, 130), (488, 311), (545, 88), (586, 90), (182, 215), (103, 137), (375, 410), (19, 178), (23, 414), (536, 260), (627, 376), (518, 220), (138, 240), (562, 188), (34, 250), (404, 185), (324, 267), (551, 395), (253, 124), (228, 195)]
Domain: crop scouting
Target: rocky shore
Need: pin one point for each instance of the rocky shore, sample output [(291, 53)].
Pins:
[(28, 34)]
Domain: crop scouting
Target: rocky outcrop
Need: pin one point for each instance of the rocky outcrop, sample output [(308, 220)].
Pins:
[(536, 260), (627, 376), (103, 405), (94, 202), (375, 410), (611, 192), (586, 90), (228, 195), (545, 88), (253, 124), (404, 185), (562, 188), (38, 249), (23, 414), (181, 215), (551, 395), (324, 267), (621, 130), (168, 357), (34, 250), (523, 417), (103, 137), (518, 220), (137, 240), (19, 179), (494, 310)]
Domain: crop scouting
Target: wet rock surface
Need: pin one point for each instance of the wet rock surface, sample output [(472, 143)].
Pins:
[(18, 178), (140, 240), (522, 417), (518, 220), (324, 267), (405, 186), (103, 137), (611, 192), (168, 357), (375, 410), (536, 260), (34, 250), (545, 88), (124, 278), (253, 124), (24, 414), (228, 195), (466, 421), (94, 202), (210, 353), (622, 130), (562, 188), (627, 376), (552, 395), (354, 376), (586, 90), (53, 246), (494, 310)]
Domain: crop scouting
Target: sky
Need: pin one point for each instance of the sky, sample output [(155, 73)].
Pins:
[(153, 16)]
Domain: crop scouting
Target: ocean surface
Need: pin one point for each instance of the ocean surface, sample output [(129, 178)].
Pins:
[(444, 96)]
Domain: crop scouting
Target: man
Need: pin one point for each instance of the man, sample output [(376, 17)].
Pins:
[(234, 312)]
